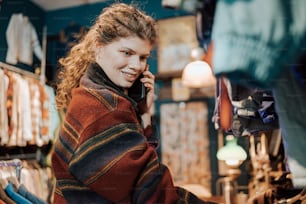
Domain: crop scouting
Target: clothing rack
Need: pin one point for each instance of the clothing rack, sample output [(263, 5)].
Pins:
[(18, 70), (34, 155), (10, 159)]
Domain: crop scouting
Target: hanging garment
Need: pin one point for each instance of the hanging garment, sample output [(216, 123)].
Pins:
[(3, 110), (225, 106), (35, 112), (9, 103), (22, 97), (22, 41), (13, 112), (253, 109), (53, 113), (22, 190), (5, 197), (20, 112), (45, 114), (9, 189)]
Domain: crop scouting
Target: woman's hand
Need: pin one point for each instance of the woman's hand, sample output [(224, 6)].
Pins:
[(146, 106), (148, 80)]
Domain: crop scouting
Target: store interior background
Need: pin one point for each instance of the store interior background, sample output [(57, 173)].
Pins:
[(57, 20)]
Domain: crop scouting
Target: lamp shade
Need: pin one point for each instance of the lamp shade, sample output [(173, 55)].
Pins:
[(198, 74), (232, 153)]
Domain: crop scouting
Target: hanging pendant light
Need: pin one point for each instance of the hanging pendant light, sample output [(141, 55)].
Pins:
[(198, 74)]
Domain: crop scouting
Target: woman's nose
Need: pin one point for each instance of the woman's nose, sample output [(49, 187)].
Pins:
[(135, 63)]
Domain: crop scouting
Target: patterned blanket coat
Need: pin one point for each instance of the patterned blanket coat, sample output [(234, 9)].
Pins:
[(103, 154)]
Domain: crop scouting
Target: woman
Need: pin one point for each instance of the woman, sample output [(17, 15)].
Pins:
[(103, 153)]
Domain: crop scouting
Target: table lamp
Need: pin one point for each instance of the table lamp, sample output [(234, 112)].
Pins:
[(233, 155)]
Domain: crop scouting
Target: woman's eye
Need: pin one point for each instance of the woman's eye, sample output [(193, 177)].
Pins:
[(127, 53), (143, 58)]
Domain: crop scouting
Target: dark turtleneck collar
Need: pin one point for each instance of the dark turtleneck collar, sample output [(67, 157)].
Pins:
[(96, 74)]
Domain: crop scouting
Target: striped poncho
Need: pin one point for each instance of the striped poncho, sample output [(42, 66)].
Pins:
[(103, 154)]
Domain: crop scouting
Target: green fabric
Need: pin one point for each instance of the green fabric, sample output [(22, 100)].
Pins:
[(255, 39)]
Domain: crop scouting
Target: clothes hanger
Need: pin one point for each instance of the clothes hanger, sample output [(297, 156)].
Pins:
[(12, 177)]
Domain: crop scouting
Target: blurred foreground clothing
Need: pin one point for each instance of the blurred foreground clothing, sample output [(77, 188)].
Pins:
[(257, 43)]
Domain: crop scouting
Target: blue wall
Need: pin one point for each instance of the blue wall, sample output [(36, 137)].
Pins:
[(85, 15)]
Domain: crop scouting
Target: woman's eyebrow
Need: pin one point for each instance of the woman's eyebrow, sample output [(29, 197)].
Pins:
[(133, 51)]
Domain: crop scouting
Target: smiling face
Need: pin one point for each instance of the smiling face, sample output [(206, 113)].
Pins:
[(124, 60)]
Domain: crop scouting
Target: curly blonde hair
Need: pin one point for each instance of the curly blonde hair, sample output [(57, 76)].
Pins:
[(116, 21)]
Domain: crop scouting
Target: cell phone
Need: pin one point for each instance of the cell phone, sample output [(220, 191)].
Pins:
[(138, 91)]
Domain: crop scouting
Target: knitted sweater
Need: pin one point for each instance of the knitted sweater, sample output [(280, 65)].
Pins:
[(103, 155), (255, 40)]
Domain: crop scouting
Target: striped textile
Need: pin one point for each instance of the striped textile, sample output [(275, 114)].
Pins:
[(103, 156)]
